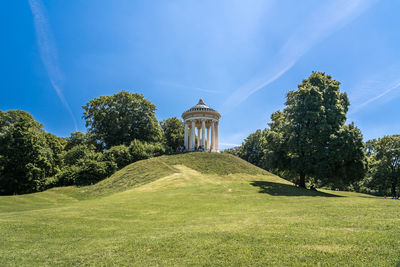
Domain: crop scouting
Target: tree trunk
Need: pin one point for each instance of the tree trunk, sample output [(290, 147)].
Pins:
[(302, 182), (393, 189)]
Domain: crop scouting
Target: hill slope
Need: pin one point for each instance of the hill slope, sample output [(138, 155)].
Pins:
[(146, 171), (197, 209)]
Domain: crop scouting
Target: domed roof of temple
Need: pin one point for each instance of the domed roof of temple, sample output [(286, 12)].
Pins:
[(199, 107)]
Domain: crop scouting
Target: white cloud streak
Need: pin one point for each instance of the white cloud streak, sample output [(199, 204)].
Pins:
[(228, 144), (375, 98), (48, 52), (319, 25)]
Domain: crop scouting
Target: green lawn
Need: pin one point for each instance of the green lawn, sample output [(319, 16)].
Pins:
[(197, 209)]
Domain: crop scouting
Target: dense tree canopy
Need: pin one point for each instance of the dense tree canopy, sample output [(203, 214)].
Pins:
[(173, 133), (120, 118), (75, 139), (347, 162), (385, 161), (316, 141), (121, 129), (27, 153), (252, 149), (309, 138)]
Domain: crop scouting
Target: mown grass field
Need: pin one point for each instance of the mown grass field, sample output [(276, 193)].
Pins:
[(197, 209)]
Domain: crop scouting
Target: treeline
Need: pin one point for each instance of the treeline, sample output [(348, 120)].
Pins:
[(121, 129), (309, 143)]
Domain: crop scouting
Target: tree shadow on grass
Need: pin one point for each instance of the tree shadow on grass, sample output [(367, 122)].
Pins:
[(278, 189)]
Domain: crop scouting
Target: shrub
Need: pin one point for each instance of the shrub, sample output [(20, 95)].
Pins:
[(120, 155), (140, 150), (80, 152)]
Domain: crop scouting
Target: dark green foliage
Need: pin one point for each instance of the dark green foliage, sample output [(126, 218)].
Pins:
[(173, 133), (69, 175), (370, 146), (27, 153), (252, 149), (120, 118), (142, 150), (235, 151), (120, 155), (56, 147), (83, 165), (91, 171), (87, 171), (76, 138), (79, 152), (313, 113), (347, 162), (309, 139), (385, 161)]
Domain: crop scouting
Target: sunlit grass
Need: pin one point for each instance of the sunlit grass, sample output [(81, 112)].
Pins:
[(197, 209)]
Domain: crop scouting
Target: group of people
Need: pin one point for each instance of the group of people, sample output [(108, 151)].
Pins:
[(199, 148), (394, 197), (181, 149)]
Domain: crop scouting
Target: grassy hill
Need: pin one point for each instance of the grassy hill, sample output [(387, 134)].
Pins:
[(197, 209)]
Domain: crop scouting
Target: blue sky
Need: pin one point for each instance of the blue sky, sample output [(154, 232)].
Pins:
[(241, 57)]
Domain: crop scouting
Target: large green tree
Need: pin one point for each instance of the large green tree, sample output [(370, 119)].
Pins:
[(27, 153), (310, 138), (120, 118), (173, 133), (75, 139), (385, 161), (346, 160), (252, 148)]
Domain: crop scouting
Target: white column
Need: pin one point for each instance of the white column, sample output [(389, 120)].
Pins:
[(189, 138), (208, 138), (198, 137), (186, 143), (216, 138), (203, 133), (212, 136), (193, 135)]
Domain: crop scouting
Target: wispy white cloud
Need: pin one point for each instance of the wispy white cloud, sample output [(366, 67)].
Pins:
[(232, 140), (177, 85), (228, 144), (48, 52), (381, 90), (319, 25)]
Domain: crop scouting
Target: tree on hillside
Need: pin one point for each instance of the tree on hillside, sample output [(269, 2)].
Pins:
[(347, 162), (83, 165), (140, 150), (120, 118), (75, 139), (55, 152), (370, 146), (173, 133), (309, 136), (236, 151), (386, 164), (252, 148), (118, 154), (27, 153)]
